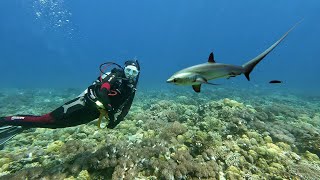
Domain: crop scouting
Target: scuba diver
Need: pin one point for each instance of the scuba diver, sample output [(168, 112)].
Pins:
[(110, 96)]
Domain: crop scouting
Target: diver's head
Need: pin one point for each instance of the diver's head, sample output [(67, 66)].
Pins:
[(131, 69)]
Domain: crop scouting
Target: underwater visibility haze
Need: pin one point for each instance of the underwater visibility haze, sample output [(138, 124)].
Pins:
[(265, 128)]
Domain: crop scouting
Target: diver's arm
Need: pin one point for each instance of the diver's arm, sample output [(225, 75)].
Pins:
[(104, 89), (123, 113), (103, 92), (112, 123), (97, 81), (126, 108), (103, 96)]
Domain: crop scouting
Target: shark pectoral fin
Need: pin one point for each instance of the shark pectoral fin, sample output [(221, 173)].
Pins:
[(211, 58), (212, 83), (197, 88), (201, 79)]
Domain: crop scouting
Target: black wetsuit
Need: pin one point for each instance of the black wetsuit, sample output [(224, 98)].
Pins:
[(115, 93)]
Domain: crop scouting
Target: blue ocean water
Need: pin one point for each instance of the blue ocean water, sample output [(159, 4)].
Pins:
[(58, 43), (50, 50)]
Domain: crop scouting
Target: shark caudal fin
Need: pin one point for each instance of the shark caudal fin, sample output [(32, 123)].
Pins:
[(249, 66)]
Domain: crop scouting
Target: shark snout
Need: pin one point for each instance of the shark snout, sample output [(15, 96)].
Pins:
[(170, 80)]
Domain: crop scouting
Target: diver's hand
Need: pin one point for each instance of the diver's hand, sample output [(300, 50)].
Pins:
[(108, 107)]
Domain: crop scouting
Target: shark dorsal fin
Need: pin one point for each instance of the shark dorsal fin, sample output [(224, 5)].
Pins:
[(211, 58), (197, 88)]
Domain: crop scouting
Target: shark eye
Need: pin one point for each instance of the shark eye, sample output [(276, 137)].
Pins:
[(174, 80)]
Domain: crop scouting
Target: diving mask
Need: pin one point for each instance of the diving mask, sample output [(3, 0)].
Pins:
[(131, 71)]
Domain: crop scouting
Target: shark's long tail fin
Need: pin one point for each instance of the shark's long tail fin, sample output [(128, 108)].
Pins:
[(248, 67), (8, 132)]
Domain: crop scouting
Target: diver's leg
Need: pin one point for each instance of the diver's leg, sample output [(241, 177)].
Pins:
[(26, 120), (72, 113)]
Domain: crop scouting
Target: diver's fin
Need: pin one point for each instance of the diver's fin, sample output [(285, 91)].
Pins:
[(197, 88), (211, 58), (8, 132)]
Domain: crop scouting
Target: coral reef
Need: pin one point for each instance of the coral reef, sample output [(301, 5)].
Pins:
[(167, 135)]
